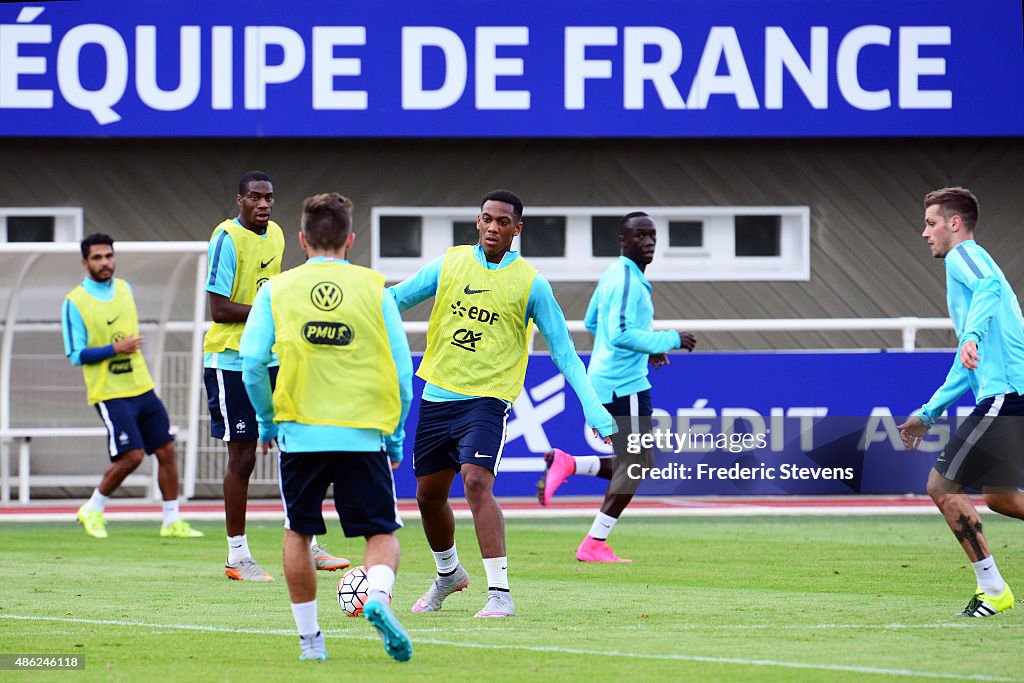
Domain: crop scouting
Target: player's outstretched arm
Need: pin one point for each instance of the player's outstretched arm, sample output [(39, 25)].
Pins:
[(957, 382), (255, 351), (418, 288), (545, 311)]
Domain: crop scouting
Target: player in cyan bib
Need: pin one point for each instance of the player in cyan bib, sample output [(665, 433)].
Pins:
[(101, 334), (487, 299)]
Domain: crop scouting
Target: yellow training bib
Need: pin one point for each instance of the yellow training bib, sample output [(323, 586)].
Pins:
[(477, 340), (330, 336), (121, 376), (257, 259)]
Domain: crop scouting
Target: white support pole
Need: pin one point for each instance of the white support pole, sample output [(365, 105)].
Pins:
[(24, 470), (195, 376), (165, 315), (5, 470)]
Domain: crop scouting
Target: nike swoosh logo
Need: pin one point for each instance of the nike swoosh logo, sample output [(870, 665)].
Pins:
[(264, 265), (467, 290), (114, 320), (477, 455)]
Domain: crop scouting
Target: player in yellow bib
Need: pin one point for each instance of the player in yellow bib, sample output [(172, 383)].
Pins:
[(101, 334), (487, 299), (338, 411), (244, 253)]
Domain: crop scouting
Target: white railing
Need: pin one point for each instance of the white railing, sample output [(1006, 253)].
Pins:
[(9, 435)]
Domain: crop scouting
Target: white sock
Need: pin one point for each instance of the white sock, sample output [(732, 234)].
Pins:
[(238, 549), (989, 579), (497, 572), (447, 561), (97, 502), (306, 617), (380, 579), (171, 514), (602, 526), (312, 542), (588, 465)]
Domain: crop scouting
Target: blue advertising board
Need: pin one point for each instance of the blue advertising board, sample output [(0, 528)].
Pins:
[(743, 423), (515, 68)]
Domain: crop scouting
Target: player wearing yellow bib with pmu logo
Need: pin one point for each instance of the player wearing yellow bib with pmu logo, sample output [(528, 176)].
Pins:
[(476, 341), (487, 300), (100, 326), (107, 322), (330, 333)]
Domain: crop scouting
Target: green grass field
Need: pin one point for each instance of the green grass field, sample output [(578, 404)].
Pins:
[(784, 598)]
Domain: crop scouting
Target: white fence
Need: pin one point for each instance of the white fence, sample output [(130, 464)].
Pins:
[(47, 402)]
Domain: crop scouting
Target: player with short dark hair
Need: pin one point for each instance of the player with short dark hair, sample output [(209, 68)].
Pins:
[(244, 253), (101, 334), (987, 449), (333, 325), (487, 299), (620, 317)]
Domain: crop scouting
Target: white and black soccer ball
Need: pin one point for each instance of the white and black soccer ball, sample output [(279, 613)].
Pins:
[(352, 591)]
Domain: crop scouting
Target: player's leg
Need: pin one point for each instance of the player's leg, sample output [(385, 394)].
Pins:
[(304, 481), (965, 461), (233, 420), (633, 414), (125, 448), (481, 428), (435, 465), (559, 466), (155, 427), (364, 496), (438, 522)]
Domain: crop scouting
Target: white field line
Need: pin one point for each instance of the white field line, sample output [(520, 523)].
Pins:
[(671, 656), (558, 513)]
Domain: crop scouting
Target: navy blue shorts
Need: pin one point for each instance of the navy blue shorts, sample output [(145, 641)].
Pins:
[(452, 433), (232, 417), (364, 492), (133, 423), (632, 414), (988, 447)]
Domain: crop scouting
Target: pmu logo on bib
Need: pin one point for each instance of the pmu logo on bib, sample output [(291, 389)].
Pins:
[(121, 366), (326, 296), (327, 333)]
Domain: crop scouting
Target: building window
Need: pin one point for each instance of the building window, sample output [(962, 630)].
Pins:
[(758, 235), (546, 237), (578, 243), (685, 234), (400, 236), (465, 232), (40, 224), (604, 235)]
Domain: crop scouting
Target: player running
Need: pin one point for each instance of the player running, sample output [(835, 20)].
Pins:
[(620, 317), (987, 450), (487, 299)]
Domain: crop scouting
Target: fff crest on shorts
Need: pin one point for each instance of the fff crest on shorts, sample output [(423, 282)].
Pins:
[(325, 295)]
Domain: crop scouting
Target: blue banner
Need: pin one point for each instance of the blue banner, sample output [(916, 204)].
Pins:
[(527, 68), (744, 423)]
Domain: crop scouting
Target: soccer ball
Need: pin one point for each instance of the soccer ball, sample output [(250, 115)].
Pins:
[(352, 591)]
